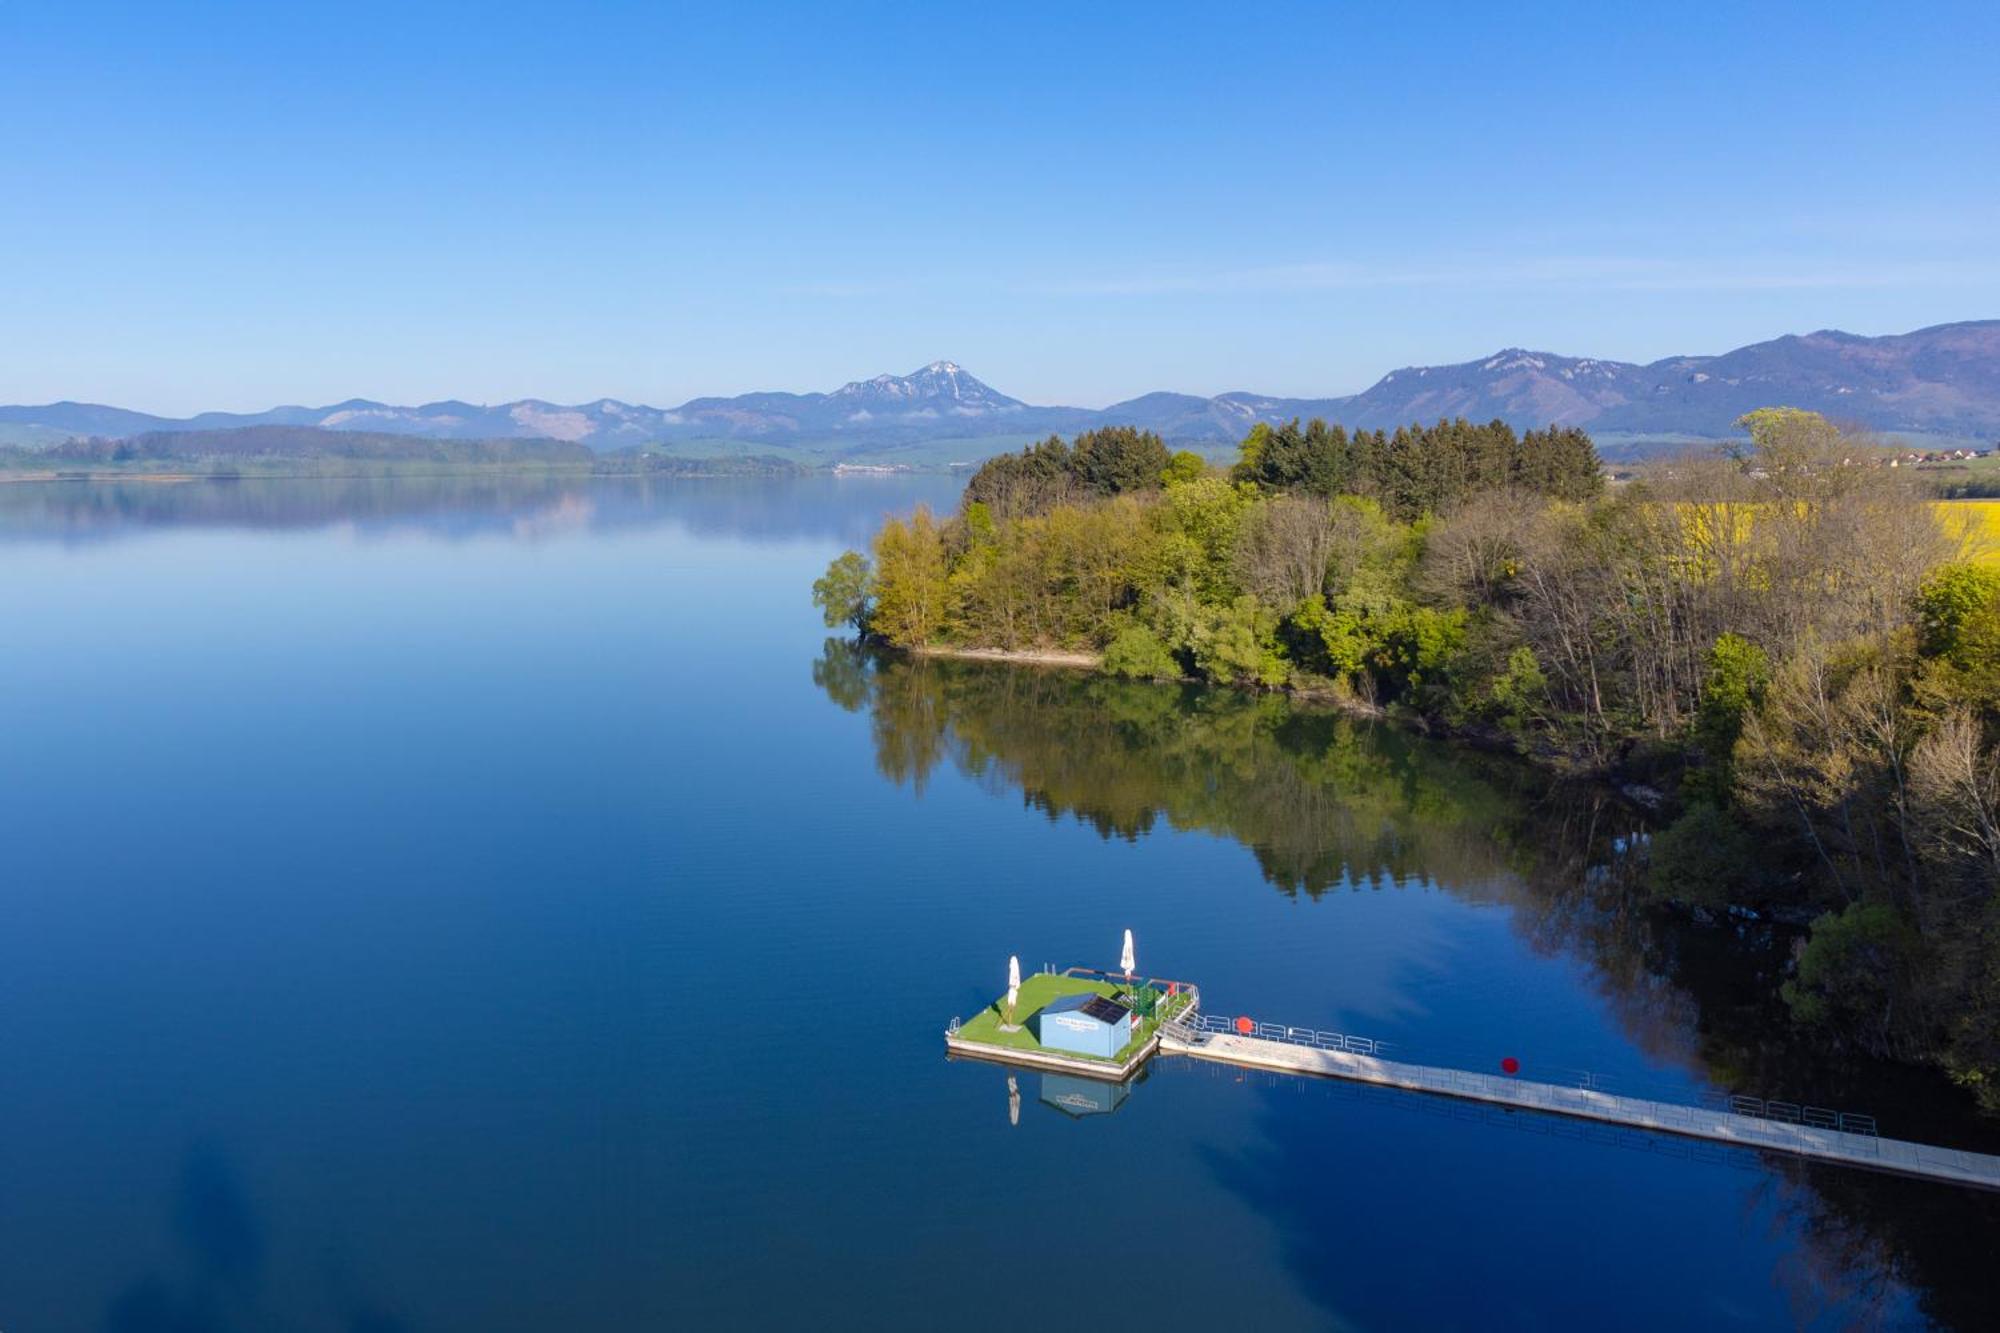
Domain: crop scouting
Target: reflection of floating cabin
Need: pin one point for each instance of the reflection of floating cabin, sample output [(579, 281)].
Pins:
[(1079, 1097), (1086, 1024)]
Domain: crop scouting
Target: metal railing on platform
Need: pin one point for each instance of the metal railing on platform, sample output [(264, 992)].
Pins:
[(1199, 1024)]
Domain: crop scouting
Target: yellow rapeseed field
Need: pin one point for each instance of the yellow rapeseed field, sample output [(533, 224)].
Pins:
[(1979, 522)]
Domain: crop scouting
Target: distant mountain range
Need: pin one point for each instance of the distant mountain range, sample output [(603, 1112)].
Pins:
[(1940, 381), (1937, 381)]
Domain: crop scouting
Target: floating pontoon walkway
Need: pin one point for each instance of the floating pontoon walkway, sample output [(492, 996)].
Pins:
[(1700, 1122), (1744, 1122)]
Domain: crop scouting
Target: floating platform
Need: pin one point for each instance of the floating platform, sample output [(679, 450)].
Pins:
[(985, 1037)]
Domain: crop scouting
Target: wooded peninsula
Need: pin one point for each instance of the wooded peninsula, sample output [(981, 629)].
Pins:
[(1787, 646)]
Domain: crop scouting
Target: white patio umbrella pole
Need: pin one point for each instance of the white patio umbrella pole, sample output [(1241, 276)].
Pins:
[(1127, 962)]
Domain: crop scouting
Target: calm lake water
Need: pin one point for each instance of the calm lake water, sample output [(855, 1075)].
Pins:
[(438, 905)]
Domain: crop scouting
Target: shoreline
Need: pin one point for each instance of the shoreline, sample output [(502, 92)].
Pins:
[(1079, 659), (1074, 659), (173, 478), (421, 472), (346, 473)]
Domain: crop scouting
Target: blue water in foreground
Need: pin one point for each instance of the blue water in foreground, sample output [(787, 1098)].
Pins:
[(461, 908)]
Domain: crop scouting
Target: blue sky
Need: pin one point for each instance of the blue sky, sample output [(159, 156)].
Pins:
[(214, 206)]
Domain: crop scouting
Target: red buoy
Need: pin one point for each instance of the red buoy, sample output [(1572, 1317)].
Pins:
[(1510, 1065), (1245, 1026)]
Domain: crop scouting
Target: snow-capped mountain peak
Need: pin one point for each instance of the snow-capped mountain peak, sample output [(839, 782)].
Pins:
[(941, 384)]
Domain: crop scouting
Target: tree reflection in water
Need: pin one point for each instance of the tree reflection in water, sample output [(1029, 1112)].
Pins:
[(1325, 801)]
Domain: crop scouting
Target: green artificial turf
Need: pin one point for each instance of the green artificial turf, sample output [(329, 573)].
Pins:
[(1037, 991)]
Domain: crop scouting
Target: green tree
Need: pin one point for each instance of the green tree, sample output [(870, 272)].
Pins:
[(911, 588), (1250, 453), (1033, 481), (1789, 438), (844, 593), (1313, 458), (1237, 644), (1705, 857), (1855, 967), (1183, 467), (1117, 460), (1198, 527), (1337, 641), (1560, 462), (1958, 635), (1419, 647), (1520, 693), (1138, 654), (1739, 673)]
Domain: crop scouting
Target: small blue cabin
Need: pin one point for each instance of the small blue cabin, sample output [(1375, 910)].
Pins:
[(1085, 1024)]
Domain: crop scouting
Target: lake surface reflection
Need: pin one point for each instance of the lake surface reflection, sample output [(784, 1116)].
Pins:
[(435, 905)]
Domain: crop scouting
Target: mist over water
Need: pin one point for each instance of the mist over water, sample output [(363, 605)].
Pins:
[(495, 903)]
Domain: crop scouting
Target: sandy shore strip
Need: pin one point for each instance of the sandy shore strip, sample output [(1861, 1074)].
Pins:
[(1058, 657)]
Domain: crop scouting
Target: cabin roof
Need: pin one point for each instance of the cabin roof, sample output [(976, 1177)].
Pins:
[(1100, 1007)]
